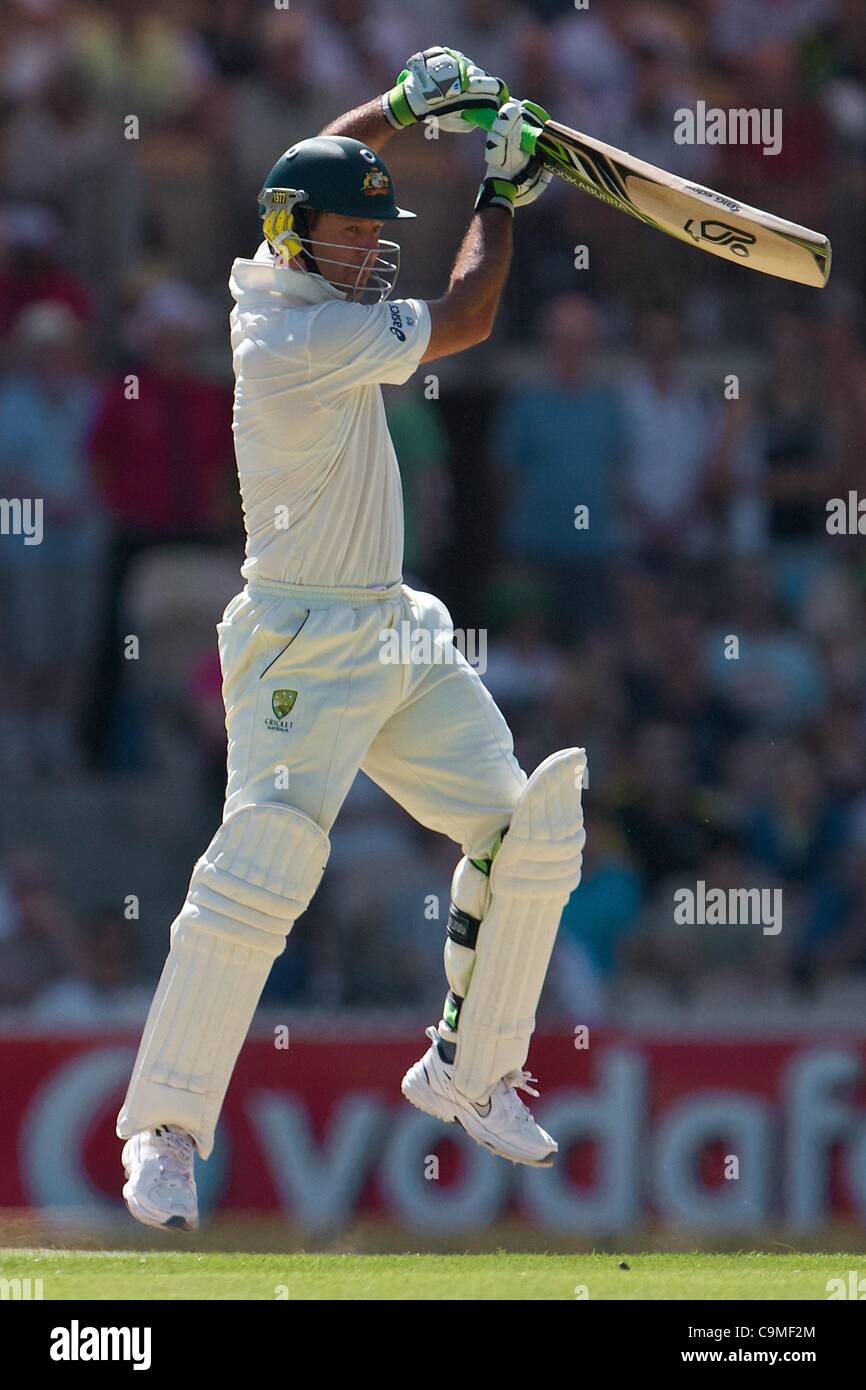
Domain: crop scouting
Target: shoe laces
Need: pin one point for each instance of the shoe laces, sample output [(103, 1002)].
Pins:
[(522, 1081), (515, 1081)]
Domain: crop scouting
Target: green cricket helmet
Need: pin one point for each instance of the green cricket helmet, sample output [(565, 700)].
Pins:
[(332, 173)]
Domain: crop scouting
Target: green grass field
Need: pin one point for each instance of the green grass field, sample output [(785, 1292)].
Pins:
[(132, 1274)]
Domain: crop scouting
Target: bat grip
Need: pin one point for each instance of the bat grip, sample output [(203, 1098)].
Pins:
[(484, 116)]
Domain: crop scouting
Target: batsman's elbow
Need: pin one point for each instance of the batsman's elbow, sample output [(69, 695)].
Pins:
[(451, 333)]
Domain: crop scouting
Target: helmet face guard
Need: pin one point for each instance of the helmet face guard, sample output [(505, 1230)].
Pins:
[(382, 262), (285, 230)]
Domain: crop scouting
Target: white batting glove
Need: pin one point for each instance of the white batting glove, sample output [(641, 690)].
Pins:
[(441, 82), (512, 178)]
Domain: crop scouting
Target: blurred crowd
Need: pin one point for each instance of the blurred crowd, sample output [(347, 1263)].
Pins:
[(626, 487)]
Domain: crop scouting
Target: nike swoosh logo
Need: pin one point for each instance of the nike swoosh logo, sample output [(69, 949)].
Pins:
[(479, 1111)]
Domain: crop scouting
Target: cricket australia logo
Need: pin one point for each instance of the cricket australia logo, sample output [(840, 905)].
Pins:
[(376, 183), (282, 704)]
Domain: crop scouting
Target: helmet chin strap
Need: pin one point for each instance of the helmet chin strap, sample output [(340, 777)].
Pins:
[(304, 258), (302, 227)]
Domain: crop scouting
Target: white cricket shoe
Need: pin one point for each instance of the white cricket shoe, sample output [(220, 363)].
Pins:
[(502, 1123), (160, 1186)]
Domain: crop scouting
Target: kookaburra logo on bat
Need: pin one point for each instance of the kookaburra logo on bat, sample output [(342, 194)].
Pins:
[(721, 234)]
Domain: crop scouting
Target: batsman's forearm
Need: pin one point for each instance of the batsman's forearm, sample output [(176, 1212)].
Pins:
[(482, 264), (366, 123)]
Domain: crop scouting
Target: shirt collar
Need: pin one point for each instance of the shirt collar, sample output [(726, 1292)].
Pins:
[(261, 273)]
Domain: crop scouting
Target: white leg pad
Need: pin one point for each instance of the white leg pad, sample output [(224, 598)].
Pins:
[(534, 872), (254, 880)]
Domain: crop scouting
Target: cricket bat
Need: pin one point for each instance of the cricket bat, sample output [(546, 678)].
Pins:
[(708, 220)]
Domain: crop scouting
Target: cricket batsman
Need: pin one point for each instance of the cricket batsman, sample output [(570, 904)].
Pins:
[(314, 334)]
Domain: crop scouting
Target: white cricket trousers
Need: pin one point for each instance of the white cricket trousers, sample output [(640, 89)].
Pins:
[(309, 700)]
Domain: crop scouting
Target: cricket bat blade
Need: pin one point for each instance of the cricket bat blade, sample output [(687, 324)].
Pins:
[(680, 207)]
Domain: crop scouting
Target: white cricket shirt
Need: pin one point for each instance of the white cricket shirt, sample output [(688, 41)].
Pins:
[(319, 481)]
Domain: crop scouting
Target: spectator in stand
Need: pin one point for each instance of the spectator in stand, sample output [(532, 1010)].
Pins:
[(737, 27), (558, 447), (670, 686), (661, 83), (226, 32), (375, 877), (422, 451), (841, 352), (834, 615), (841, 747), (46, 411), (834, 64), (837, 45), (104, 991), (287, 99), (31, 268), (140, 58), (587, 707), (802, 464), (65, 149), (732, 962), (834, 944), (161, 443), (661, 807), (162, 456), (595, 66), (523, 664), (55, 140), (797, 826), (797, 176), (673, 435), (35, 38), (597, 919), (39, 941), (774, 679), (742, 779), (372, 36), (501, 30)]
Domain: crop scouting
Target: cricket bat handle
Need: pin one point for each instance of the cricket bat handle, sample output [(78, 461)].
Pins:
[(483, 116)]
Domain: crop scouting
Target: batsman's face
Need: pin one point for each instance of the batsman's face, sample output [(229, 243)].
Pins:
[(353, 243)]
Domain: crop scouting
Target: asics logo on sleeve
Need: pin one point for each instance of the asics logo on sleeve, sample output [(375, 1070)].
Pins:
[(396, 323)]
